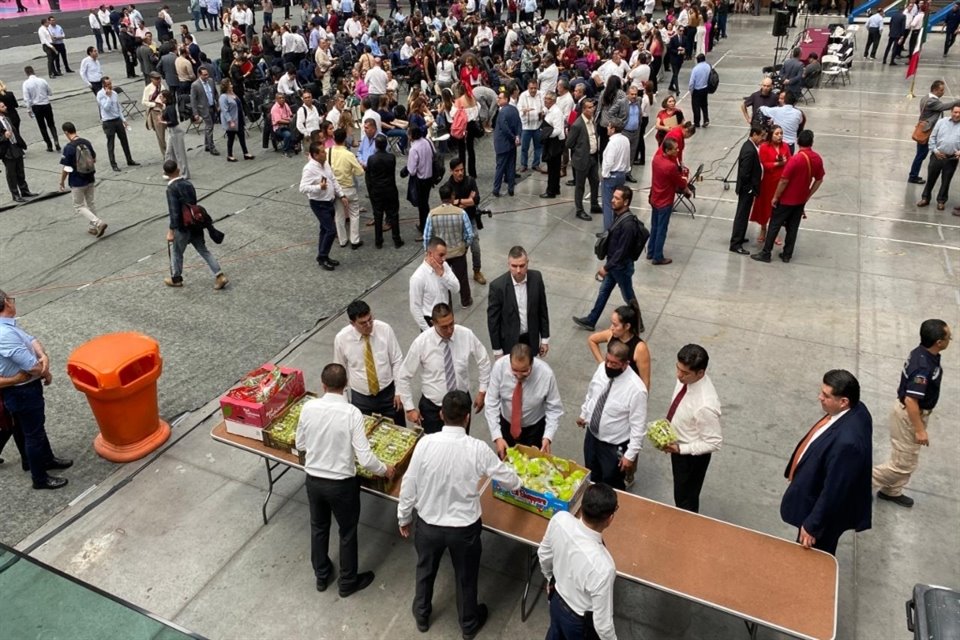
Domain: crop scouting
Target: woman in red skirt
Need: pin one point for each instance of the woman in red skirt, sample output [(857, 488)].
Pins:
[(774, 154)]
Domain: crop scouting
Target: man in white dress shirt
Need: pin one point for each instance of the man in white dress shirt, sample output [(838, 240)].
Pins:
[(369, 350), (614, 167), (432, 283), (331, 434), (90, 71), (579, 569), (614, 414), (695, 415), (376, 79), (523, 401), (442, 482), (443, 354), (37, 95)]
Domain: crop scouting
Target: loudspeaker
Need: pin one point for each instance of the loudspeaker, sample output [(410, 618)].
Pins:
[(781, 20)]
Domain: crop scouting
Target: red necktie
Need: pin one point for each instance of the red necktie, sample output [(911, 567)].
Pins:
[(676, 402), (516, 412), (803, 446)]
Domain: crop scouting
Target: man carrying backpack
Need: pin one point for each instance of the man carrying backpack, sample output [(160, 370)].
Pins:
[(79, 171), (184, 230), (625, 242)]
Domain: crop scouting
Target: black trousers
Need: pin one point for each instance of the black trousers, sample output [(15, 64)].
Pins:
[(466, 153), (579, 178), (699, 98), (459, 267), (26, 406), (429, 416), (784, 216), (16, 176), (424, 185), (688, 475), (894, 47), (873, 41), (741, 220), (942, 170), (130, 61), (465, 548), (48, 129), (110, 36), (53, 63), (531, 436), (62, 53), (948, 41), (342, 499), (553, 168), (116, 129), (381, 403), (16, 433), (603, 460), (389, 212)]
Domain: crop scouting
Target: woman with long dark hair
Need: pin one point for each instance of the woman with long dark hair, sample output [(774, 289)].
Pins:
[(464, 145), (656, 49), (626, 324), (613, 106), (232, 121)]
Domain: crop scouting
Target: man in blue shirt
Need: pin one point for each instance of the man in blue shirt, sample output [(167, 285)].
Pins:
[(23, 357), (82, 185), (699, 78), (114, 123)]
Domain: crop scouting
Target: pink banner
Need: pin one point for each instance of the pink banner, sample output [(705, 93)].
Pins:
[(43, 8)]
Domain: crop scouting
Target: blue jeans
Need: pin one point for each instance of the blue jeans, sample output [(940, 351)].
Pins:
[(922, 151), (616, 179), (25, 404), (285, 138), (659, 221), (323, 210), (398, 133), (506, 170), (620, 276), (180, 241), (564, 623), (525, 138), (196, 20)]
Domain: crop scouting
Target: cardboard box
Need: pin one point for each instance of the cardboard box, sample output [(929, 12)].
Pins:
[(383, 484), (256, 414), (245, 430), (543, 504), (268, 438)]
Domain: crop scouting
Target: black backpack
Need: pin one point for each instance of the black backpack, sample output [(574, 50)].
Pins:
[(640, 238), (439, 170), (713, 81)]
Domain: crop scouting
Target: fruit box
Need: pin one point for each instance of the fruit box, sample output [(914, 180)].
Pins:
[(257, 414), (543, 504), (268, 434), (402, 457)]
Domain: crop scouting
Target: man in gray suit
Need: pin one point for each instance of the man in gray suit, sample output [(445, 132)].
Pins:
[(583, 145), (203, 104), (168, 69), (146, 57)]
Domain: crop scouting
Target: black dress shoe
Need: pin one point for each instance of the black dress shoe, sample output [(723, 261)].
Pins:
[(740, 250), (570, 183), (335, 263), (902, 500), (759, 257), (321, 585), (51, 482), (917, 180), (357, 245), (545, 195), (29, 194), (596, 209), (131, 163), (630, 178), (582, 323), (398, 243), (327, 265), (214, 152), (584, 216), (423, 624), (784, 258), (60, 463), (49, 149), (496, 194), (18, 199), (115, 168), (364, 580), (510, 193), (482, 613)]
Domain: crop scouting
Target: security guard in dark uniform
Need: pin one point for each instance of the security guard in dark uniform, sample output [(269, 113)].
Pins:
[(916, 397)]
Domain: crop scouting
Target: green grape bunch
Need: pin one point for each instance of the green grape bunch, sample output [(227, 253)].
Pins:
[(390, 444), (549, 476), (661, 433), (284, 430)]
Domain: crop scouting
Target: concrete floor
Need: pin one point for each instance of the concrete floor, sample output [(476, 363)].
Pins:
[(180, 534)]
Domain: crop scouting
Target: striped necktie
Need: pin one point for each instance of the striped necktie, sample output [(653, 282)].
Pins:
[(448, 371), (373, 383), (598, 411)]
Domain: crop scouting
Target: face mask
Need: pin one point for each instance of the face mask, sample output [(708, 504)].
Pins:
[(611, 372)]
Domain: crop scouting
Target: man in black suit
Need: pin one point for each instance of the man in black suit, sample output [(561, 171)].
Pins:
[(507, 323), (506, 139), (583, 143), (749, 173), (11, 152), (830, 470), (895, 36)]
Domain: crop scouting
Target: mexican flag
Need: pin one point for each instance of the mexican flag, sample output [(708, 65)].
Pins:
[(915, 54)]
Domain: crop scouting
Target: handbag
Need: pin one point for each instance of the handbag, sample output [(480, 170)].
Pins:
[(921, 135), (546, 131), (475, 129), (192, 215)]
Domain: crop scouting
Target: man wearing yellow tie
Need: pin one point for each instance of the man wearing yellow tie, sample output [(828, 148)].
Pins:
[(829, 473), (371, 354), (523, 401)]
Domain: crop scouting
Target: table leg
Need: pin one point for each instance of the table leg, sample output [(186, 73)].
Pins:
[(271, 481), (752, 629), (532, 564)]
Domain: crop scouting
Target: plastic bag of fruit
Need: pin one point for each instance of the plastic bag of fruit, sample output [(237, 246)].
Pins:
[(661, 433)]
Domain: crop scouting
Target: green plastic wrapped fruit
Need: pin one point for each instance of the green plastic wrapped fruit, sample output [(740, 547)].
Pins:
[(661, 433)]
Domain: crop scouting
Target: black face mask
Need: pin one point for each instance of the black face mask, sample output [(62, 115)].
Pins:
[(611, 372)]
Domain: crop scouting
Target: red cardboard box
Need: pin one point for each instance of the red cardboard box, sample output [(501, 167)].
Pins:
[(256, 414)]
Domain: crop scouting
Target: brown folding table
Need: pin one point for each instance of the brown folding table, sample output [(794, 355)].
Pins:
[(764, 580)]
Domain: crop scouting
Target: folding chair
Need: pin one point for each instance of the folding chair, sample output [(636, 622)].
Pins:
[(682, 198), (812, 82), (186, 113), (129, 105), (831, 69)]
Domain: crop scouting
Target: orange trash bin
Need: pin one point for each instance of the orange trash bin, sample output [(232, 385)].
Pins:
[(118, 372)]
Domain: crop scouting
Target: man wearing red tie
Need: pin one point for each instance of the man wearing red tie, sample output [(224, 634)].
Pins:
[(523, 401), (695, 415), (830, 469)]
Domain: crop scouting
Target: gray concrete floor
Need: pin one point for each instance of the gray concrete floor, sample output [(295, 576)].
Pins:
[(180, 533)]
